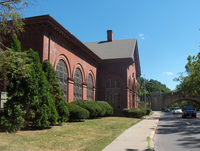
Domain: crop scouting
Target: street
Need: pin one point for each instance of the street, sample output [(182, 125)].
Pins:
[(175, 133)]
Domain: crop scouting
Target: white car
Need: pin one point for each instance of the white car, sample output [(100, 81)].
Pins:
[(177, 110)]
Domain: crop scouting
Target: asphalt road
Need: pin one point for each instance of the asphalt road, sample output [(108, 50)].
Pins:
[(175, 133)]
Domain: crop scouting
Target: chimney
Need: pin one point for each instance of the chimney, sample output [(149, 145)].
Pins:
[(109, 35)]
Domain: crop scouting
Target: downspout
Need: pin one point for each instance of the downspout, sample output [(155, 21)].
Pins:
[(49, 47)]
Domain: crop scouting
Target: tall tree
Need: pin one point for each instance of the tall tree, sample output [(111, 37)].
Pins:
[(56, 92), (45, 110), (11, 13), (190, 83), (151, 86)]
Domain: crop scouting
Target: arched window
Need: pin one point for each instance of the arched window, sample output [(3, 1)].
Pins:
[(113, 93), (89, 88), (61, 71), (78, 90)]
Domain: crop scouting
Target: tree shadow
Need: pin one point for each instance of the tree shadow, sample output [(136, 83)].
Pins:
[(185, 127)]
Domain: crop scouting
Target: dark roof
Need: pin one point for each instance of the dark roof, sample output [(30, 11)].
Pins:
[(116, 49)]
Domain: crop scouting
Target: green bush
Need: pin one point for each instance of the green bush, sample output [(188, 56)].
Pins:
[(109, 108), (56, 92), (103, 108), (126, 112), (91, 106), (137, 113), (134, 113), (148, 111), (77, 112)]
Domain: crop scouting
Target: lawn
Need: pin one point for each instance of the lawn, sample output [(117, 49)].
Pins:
[(91, 135)]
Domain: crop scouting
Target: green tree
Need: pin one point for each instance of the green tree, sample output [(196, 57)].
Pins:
[(191, 81), (15, 44), (44, 109), (56, 92), (21, 92), (151, 86), (11, 13)]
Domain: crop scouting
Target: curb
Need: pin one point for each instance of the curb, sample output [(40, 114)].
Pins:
[(153, 134)]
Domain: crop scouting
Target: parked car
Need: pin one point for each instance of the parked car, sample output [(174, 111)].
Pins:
[(177, 110), (188, 111), (165, 109)]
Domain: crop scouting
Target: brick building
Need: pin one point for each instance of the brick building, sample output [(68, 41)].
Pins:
[(105, 70)]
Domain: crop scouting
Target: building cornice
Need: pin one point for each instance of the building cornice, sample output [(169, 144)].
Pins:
[(52, 24)]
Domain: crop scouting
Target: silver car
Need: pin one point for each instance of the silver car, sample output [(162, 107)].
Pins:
[(177, 110)]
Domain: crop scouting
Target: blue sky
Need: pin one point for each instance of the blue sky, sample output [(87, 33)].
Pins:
[(167, 31)]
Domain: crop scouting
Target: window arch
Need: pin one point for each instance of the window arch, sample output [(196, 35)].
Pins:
[(78, 90), (61, 70), (113, 93), (89, 88)]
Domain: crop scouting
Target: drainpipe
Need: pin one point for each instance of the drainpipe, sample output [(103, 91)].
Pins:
[(49, 47)]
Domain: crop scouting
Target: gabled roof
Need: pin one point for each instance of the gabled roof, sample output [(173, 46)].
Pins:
[(116, 49)]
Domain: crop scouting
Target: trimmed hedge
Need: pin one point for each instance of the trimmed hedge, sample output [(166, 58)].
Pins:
[(91, 106), (134, 113), (148, 111), (77, 112), (108, 107), (103, 108)]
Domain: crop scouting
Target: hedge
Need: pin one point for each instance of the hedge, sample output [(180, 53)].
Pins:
[(91, 106), (103, 108), (148, 111), (77, 112), (108, 107), (134, 113)]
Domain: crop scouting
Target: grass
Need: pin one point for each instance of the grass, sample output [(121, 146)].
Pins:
[(90, 135)]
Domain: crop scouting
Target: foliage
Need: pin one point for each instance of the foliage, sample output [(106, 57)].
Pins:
[(13, 116), (103, 108), (184, 103), (148, 111), (91, 106), (13, 62), (77, 112), (141, 104), (15, 44), (11, 13), (108, 107), (190, 83), (151, 86), (134, 113), (21, 92), (44, 108), (56, 92)]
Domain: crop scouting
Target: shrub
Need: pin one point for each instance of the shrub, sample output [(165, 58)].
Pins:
[(137, 114), (109, 108), (91, 106), (103, 108), (44, 108), (148, 111), (126, 112), (56, 92), (134, 113), (77, 112)]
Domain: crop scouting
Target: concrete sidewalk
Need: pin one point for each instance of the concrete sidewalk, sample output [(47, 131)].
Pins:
[(135, 138)]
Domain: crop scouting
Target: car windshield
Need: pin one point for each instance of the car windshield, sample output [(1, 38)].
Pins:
[(176, 108), (188, 108)]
